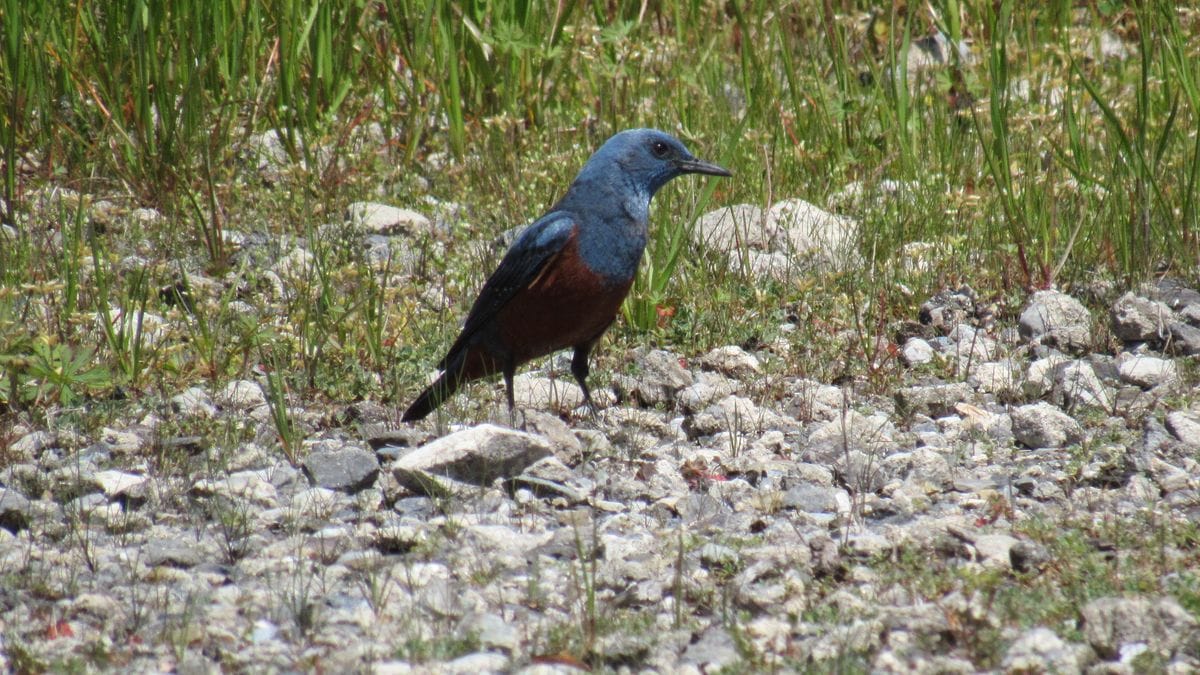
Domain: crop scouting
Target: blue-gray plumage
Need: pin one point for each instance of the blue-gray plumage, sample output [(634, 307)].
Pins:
[(562, 281)]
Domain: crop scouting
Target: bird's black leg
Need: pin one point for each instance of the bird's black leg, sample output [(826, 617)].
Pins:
[(510, 369), (580, 369)]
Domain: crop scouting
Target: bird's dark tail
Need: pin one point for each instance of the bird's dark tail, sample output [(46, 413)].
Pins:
[(431, 398), (458, 368)]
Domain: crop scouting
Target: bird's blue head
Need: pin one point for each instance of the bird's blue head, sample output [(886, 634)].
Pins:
[(648, 158)]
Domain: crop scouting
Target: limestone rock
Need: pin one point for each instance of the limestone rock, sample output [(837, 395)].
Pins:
[(1137, 318), (916, 352), (1109, 624), (385, 219), (242, 395), (935, 400), (348, 469), (1077, 384), (475, 456), (194, 402), (1185, 426), (1185, 338), (812, 236), (1057, 319), (658, 379), (114, 483), (732, 361), (543, 393), (733, 228), (1041, 425), (1148, 371), (240, 485), (15, 510), (1039, 650)]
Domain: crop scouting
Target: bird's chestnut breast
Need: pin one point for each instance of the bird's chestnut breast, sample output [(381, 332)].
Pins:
[(567, 304)]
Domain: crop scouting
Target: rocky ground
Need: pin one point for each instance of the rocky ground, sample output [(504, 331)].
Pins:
[(1019, 502)]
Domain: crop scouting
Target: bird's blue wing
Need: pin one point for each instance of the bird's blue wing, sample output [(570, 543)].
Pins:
[(536, 246)]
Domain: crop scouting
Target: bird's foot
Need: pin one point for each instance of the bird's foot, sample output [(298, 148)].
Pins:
[(514, 415), (587, 410)]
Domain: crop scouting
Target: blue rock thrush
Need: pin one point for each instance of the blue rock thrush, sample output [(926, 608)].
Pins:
[(564, 278)]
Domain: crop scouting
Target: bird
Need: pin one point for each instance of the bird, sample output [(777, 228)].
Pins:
[(563, 279)]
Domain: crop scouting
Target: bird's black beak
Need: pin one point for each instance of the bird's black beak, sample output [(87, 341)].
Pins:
[(694, 165)]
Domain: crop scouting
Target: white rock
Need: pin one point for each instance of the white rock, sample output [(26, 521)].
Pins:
[(392, 668), (936, 50), (770, 633), (1040, 650), (792, 236), (735, 414), (1147, 371), (490, 630), (871, 434), (1111, 46), (471, 457), (114, 483), (916, 352), (935, 400), (385, 219), (32, 443), (920, 256), (297, 265), (1185, 426), (507, 540), (1057, 319), (1170, 478), (316, 502), (658, 379), (1041, 425), (765, 266), (193, 402), (264, 631), (269, 152), (732, 361), (733, 228), (858, 194), (479, 662), (242, 394), (150, 329), (707, 389), (243, 484), (925, 465), (544, 393), (972, 346), (144, 217), (1081, 386), (816, 237), (714, 650), (994, 550), (996, 377), (1040, 378), (1137, 318), (101, 606), (121, 442), (868, 544), (1111, 624)]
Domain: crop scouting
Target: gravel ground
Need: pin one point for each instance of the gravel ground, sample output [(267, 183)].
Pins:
[(1020, 501)]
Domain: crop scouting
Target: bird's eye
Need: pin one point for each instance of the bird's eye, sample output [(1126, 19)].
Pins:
[(660, 149)]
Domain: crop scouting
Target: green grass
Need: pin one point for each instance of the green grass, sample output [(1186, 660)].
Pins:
[(150, 104)]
